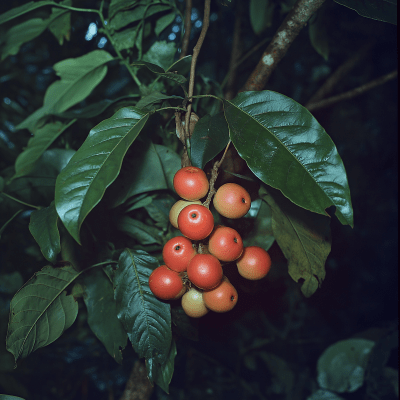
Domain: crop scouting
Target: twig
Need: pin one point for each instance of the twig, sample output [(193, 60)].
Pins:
[(187, 27), (283, 38), (235, 53), (352, 93), (196, 51), (340, 73)]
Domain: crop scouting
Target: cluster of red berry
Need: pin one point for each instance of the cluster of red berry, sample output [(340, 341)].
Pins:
[(202, 273)]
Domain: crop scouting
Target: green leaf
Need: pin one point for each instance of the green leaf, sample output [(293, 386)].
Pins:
[(41, 311), (317, 30), (60, 26), (181, 66), (164, 22), (154, 98), (150, 167), (161, 53), (126, 38), (139, 231), (37, 145), (162, 373), (81, 185), (209, 138), (322, 394), (123, 18), (43, 227), (79, 76), (146, 319), (19, 34), (342, 366), (138, 202), (118, 5), (156, 69), (21, 10), (261, 14), (261, 233), (95, 109), (8, 397), (381, 10), (304, 238), (102, 313), (159, 209), (285, 147)]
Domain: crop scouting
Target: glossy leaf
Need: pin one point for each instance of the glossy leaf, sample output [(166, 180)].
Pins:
[(261, 15), (285, 147), (156, 69), (146, 319), (37, 145), (304, 238), (381, 10), (102, 313), (155, 98), (8, 397), (41, 311), (342, 366), (21, 10), (162, 373), (164, 22), (95, 109), (143, 233), (43, 227), (209, 138), (97, 163), (150, 167), (161, 53), (79, 76)]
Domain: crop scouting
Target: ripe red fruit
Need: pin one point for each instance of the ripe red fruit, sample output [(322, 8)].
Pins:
[(177, 253), (191, 183), (232, 201), (196, 221), (177, 208), (205, 271), (165, 283), (254, 263), (221, 299), (193, 303), (225, 243)]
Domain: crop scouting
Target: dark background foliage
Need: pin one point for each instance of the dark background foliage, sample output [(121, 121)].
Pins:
[(359, 295)]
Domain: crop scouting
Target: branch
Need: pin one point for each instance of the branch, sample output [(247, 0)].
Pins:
[(138, 386), (235, 54), (352, 93), (187, 27), (284, 37), (340, 73)]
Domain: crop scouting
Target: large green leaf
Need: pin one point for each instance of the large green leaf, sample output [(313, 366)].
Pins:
[(82, 183), (304, 238), (41, 311), (157, 69), (143, 233), (21, 10), (43, 227), (285, 146), (37, 145), (102, 313), (382, 10), (150, 167), (79, 76), (146, 319), (210, 137)]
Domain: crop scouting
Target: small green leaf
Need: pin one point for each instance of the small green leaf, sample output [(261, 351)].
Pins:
[(381, 10), (79, 76), (146, 319), (304, 238), (161, 53), (209, 138), (81, 185), (317, 30), (149, 167), (156, 69), (139, 231), (37, 145), (41, 311), (154, 98), (285, 147), (102, 313), (341, 367), (43, 227), (181, 66), (261, 15), (60, 26), (21, 10), (164, 22)]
